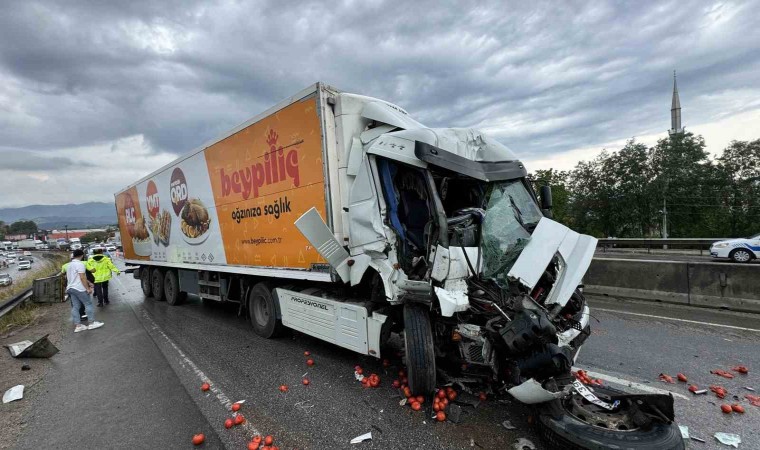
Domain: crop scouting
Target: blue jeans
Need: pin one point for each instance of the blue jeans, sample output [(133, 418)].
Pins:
[(79, 298)]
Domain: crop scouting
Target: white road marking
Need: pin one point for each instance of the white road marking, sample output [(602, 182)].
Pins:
[(185, 361), (677, 320), (632, 384)]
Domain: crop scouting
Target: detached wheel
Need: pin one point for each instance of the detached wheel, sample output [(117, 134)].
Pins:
[(171, 289), (741, 255), (147, 287), (262, 311), (576, 424), (420, 353), (157, 281)]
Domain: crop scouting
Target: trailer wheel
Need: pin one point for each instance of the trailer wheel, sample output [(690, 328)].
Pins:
[(171, 289), (157, 280), (147, 287), (262, 312), (420, 353)]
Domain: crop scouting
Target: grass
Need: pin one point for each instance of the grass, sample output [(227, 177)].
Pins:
[(21, 316)]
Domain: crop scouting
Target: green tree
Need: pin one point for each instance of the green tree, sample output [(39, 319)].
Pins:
[(27, 227), (94, 236), (738, 175), (560, 193)]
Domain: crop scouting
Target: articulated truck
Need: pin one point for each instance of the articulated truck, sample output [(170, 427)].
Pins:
[(342, 217)]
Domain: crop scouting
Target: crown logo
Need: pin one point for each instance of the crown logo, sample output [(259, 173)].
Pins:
[(272, 138)]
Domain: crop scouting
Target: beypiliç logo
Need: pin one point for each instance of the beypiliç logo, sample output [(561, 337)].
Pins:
[(277, 166), (178, 190)]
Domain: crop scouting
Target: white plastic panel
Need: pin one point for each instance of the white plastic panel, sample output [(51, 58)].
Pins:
[(343, 324), (314, 229)]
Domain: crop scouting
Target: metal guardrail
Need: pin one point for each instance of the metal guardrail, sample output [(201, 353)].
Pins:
[(8, 306), (701, 244)]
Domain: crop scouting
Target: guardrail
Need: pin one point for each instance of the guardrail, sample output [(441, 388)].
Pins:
[(8, 306), (701, 244)]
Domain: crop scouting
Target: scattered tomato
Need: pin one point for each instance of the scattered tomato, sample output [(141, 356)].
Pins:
[(386, 363), (396, 384), (720, 391), (253, 445), (436, 406), (741, 369), (236, 406), (444, 403), (228, 423), (268, 440), (737, 408), (682, 378), (402, 373), (482, 396), (283, 388), (451, 395), (359, 370), (404, 380), (239, 419), (374, 381), (205, 387), (309, 362), (416, 406), (693, 388), (198, 439), (420, 399), (726, 409), (407, 392), (440, 416), (307, 353), (666, 378), (753, 399), (722, 373), (441, 393), (305, 381)]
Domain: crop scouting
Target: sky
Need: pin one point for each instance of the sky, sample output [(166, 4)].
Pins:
[(95, 95)]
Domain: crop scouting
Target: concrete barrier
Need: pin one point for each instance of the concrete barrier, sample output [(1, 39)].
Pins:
[(704, 284)]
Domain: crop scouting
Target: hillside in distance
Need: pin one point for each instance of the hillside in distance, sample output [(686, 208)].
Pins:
[(83, 215)]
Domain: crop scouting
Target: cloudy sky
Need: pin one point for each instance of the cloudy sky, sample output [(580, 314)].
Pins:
[(94, 96)]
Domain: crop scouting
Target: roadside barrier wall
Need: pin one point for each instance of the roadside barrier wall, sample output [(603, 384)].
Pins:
[(705, 284)]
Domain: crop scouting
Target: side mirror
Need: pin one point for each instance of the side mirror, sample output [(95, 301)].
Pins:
[(546, 200)]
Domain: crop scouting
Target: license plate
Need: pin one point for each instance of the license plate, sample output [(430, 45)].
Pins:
[(588, 395)]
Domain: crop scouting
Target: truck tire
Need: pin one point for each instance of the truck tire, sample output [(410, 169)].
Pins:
[(262, 311), (157, 281), (145, 283), (563, 428), (420, 353), (171, 289)]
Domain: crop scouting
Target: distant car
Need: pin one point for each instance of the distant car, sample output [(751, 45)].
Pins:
[(10, 260), (5, 279), (738, 250), (110, 248), (11, 255), (24, 265), (27, 253)]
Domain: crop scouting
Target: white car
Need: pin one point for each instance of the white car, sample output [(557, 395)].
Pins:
[(110, 248), (738, 250), (24, 265)]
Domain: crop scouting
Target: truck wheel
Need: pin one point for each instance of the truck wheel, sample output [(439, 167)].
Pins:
[(147, 287), (262, 312), (740, 255), (420, 354), (171, 289), (157, 280), (573, 423)]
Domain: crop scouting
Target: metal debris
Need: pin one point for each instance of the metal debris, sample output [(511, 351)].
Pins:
[(41, 348), (362, 438)]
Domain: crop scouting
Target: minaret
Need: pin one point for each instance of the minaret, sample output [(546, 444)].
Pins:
[(675, 110)]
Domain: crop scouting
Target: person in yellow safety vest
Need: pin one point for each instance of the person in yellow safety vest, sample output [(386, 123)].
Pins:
[(102, 266)]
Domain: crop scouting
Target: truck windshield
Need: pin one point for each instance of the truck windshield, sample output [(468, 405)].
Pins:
[(511, 216)]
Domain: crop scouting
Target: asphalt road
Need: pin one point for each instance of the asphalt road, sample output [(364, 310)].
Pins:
[(661, 255), (212, 343)]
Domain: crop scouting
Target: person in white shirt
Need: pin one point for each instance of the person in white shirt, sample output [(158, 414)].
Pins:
[(79, 290)]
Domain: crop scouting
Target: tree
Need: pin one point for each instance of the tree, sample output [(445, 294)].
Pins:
[(94, 236), (738, 175), (560, 193), (27, 227)]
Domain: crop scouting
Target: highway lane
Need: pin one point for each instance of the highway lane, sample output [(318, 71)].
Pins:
[(213, 342), (662, 255)]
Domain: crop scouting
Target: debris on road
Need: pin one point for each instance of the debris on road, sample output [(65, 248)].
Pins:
[(737, 408), (235, 407), (522, 444), (205, 387), (26, 367), (198, 439), (682, 378), (309, 362), (726, 409), (749, 388), (41, 348), (228, 423), (684, 431), (741, 369), (722, 373), (753, 399), (508, 425), (729, 439), (666, 378), (693, 438), (14, 393), (720, 391), (362, 438), (283, 388)]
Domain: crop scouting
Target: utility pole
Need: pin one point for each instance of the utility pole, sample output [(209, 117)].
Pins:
[(66, 227)]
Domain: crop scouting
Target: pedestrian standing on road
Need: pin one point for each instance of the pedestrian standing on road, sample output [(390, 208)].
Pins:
[(79, 290), (90, 278), (103, 267)]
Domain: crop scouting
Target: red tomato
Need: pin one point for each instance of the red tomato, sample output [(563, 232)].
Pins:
[(416, 406), (198, 439), (236, 406), (693, 388), (436, 406), (307, 353), (444, 403), (726, 409), (386, 363), (268, 440), (440, 416), (309, 362), (407, 392), (682, 378), (239, 419), (283, 388), (452, 395), (205, 387), (738, 408), (374, 382), (482, 396), (253, 445), (359, 370), (441, 394), (228, 423), (402, 373), (305, 381), (396, 384), (420, 399), (404, 380)]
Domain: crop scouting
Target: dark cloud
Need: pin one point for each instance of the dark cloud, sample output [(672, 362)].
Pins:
[(544, 77), (28, 161)]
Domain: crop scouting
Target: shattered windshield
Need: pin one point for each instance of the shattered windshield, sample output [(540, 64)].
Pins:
[(511, 216)]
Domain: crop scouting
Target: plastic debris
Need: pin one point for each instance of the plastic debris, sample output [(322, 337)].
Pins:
[(666, 378), (522, 444), (508, 425), (749, 388), (41, 348), (14, 393), (700, 392), (722, 373), (362, 438), (684, 431), (740, 369), (729, 439)]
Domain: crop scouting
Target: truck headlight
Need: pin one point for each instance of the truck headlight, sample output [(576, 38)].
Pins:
[(720, 245)]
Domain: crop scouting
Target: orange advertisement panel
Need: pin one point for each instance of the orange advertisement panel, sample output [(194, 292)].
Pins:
[(264, 178), (132, 226)]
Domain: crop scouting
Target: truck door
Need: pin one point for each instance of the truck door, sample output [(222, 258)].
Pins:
[(365, 229)]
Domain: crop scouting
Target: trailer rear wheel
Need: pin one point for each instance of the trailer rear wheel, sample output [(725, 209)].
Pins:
[(147, 287), (171, 289), (157, 280), (262, 312), (420, 353)]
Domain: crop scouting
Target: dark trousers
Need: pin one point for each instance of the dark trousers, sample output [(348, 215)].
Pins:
[(101, 291)]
